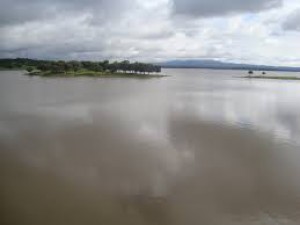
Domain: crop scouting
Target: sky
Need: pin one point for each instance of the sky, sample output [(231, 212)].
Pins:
[(241, 31)]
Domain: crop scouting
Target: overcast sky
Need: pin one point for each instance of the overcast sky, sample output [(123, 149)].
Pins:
[(247, 31)]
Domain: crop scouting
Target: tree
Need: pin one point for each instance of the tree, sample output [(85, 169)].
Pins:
[(124, 65), (135, 67), (29, 69), (57, 67), (97, 68), (157, 69), (250, 72), (75, 65), (61, 66), (50, 67), (105, 65), (113, 67), (44, 67), (68, 66)]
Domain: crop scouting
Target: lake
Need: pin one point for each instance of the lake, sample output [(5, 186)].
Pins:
[(197, 147)]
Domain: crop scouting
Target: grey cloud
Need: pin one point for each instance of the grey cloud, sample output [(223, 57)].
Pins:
[(209, 8), (60, 28), (20, 11), (79, 29), (292, 23)]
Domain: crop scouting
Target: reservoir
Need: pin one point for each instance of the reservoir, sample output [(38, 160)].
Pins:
[(196, 147)]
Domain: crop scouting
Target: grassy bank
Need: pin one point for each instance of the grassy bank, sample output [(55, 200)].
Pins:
[(273, 77), (94, 74), (11, 69)]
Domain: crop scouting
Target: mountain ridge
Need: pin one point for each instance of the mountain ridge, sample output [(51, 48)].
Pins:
[(215, 64)]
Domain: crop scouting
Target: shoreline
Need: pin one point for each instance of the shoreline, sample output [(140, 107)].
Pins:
[(273, 77), (95, 74)]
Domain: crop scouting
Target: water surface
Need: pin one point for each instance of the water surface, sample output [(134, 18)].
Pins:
[(198, 147)]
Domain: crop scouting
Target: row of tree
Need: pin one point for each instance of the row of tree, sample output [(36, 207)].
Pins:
[(67, 66), (251, 72), (102, 66)]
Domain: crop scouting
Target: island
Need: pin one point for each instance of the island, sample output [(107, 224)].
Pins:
[(264, 76), (274, 77), (61, 68)]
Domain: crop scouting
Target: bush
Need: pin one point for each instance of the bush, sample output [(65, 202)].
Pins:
[(29, 69)]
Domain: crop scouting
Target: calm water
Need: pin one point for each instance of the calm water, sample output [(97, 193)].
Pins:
[(198, 147)]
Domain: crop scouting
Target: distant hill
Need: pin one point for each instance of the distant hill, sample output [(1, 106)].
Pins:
[(214, 64)]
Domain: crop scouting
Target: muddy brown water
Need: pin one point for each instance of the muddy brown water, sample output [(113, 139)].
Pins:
[(198, 147)]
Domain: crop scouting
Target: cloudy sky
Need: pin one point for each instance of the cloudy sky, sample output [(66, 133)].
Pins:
[(247, 31)]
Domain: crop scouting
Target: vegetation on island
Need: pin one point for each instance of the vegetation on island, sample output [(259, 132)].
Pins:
[(82, 68), (251, 72), (263, 76), (274, 77)]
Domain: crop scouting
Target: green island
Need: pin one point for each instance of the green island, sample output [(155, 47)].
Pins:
[(48, 68), (274, 77), (263, 76)]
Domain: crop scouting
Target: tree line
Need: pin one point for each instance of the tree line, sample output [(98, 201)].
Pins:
[(74, 66)]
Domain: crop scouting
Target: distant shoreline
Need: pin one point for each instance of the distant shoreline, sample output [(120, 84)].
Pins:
[(273, 77), (237, 69), (221, 65)]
